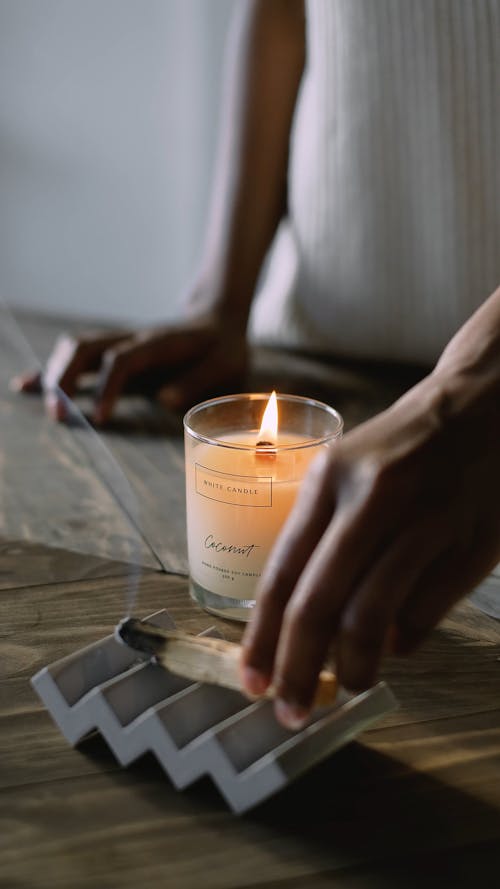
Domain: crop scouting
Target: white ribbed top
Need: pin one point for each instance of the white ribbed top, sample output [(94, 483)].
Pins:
[(393, 235)]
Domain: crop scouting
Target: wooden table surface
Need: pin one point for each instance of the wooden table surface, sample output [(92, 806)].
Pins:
[(414, 802)]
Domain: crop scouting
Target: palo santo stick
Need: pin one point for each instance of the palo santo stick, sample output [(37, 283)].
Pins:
[(202, 658)]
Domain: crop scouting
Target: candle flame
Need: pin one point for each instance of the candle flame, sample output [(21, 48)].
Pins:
[(268, 434)]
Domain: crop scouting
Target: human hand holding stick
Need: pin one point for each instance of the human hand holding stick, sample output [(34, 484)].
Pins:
[(390, 529), (202, 658)]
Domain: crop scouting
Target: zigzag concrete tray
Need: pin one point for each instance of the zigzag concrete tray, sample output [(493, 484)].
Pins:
[(194, 728)]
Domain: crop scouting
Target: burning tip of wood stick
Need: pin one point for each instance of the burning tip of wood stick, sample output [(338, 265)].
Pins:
[(140, 635)]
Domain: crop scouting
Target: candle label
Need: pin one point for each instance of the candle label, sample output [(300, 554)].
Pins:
[(237, 490)]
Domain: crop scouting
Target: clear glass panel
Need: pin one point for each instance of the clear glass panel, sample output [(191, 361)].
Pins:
[(61, 488)]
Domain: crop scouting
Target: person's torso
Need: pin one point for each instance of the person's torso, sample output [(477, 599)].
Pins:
[(394, 182)]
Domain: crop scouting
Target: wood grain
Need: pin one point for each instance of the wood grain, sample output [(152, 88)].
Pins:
[(31, 564)]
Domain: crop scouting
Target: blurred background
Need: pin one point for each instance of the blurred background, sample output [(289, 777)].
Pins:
[(108, 120)]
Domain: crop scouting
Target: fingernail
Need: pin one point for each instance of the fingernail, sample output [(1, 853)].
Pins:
[(292, 716), (254, 681)]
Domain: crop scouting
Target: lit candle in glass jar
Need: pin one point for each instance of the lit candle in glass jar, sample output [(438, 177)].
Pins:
[(243, 471)]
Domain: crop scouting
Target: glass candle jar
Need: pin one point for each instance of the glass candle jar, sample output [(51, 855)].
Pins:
[(242, 478)]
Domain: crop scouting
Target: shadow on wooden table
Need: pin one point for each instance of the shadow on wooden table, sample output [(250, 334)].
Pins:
[(361, 818), (364, 807), (358, 390)]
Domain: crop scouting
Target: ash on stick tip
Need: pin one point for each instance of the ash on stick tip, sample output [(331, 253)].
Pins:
[(120, 631), (139, 635)]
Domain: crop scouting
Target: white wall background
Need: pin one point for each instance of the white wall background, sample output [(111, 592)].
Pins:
[(108, 119)]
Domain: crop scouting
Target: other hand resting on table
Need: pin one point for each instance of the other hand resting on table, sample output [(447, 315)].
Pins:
[(179, 365)]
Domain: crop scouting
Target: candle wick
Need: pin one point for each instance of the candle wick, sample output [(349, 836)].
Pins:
[(265, 449)]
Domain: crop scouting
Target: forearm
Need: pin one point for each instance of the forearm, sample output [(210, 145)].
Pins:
[(460, 399), (263, 72), (469, 368)]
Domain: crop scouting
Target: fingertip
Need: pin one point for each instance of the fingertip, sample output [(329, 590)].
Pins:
[(291, 716), (256, 667), (25, 383), (254, 681)]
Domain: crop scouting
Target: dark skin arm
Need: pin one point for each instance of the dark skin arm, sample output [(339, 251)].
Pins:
[(207, 348), (392, 527)]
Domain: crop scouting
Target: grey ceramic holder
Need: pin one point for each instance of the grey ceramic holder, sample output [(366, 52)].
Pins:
[(194, 728)]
